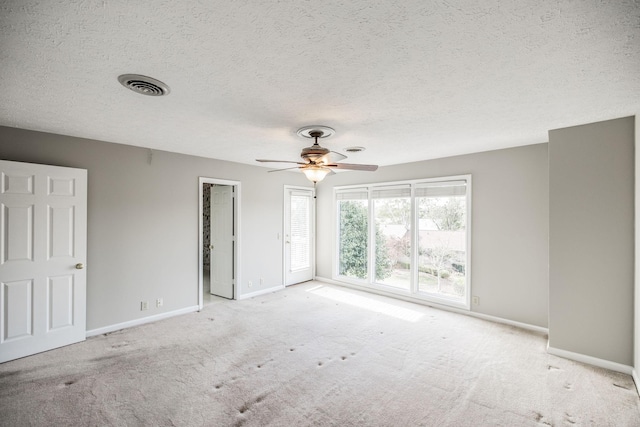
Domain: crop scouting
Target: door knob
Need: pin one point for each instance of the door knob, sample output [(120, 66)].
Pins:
[(79, 266), (210, 247)]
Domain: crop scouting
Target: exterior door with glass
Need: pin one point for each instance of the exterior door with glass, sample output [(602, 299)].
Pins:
[(299, 235)]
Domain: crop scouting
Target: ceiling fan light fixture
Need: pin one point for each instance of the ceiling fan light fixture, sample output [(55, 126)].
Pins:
[(315, 174)]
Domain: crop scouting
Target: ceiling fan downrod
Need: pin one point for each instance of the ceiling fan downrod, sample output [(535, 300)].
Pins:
[(316, 134)]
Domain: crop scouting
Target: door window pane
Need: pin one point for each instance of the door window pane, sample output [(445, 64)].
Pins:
[(300, 226)]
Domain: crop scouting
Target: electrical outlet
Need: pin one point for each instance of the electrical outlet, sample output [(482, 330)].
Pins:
[(475, 300), (144, 305), (250, 284), (159, 302)]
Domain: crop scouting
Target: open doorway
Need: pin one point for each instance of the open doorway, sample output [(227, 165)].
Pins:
[(218, 260)]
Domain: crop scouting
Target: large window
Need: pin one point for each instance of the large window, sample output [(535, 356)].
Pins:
[(407, 237)]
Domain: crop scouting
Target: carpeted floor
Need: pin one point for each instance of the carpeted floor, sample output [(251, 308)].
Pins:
[(313, 355)]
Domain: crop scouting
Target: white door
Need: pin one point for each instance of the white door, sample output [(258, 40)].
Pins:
[(43, 244), (298, 235), (222, 240)]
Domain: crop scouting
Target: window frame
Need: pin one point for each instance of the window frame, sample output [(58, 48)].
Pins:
[(370, 284)]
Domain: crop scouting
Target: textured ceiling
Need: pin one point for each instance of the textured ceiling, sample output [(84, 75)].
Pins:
[(409, 80)]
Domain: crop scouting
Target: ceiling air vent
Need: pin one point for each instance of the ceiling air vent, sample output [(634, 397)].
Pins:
[(354, 149), (144, 85)]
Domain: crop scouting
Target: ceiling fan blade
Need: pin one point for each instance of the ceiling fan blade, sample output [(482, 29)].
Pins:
[(278, 161), (285, 169), (353, 166), (330, 157), (333, 157)]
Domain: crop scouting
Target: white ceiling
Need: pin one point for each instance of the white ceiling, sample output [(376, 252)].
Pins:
[(409, 80)]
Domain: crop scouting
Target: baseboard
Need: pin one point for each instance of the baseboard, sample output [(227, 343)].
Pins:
[(636, 380), (142, 321), (261, 292), (521, 325), (590, 360), (495, 319)]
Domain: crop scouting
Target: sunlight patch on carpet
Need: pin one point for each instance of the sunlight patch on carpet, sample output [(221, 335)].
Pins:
[(367, 303)]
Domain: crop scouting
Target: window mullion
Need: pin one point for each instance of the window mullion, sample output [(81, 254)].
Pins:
[(372, 241), (414, 243)]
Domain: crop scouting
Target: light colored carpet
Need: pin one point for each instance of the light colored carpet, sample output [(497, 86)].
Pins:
[(319, 355)]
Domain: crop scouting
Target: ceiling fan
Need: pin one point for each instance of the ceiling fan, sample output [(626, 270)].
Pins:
[(318, 161)]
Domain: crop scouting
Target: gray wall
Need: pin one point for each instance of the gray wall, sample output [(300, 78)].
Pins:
[(143, 221), (591, 251), (509, 225)]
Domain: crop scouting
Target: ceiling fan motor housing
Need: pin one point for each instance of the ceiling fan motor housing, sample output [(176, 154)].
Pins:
[(314, 152)]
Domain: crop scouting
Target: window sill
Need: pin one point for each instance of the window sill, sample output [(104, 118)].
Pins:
[(406, 295)]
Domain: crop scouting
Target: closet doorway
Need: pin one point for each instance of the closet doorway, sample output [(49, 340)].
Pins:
[(219, 207)]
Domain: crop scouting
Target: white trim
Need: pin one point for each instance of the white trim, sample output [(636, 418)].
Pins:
[(414, 257), (138, 322), (237, 228), (200, 243), (407, 295), (406, 181), (636, 303), (521, 325), (469, 231), (261, 292), (590, 360), (636, 380), (408, 298)]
